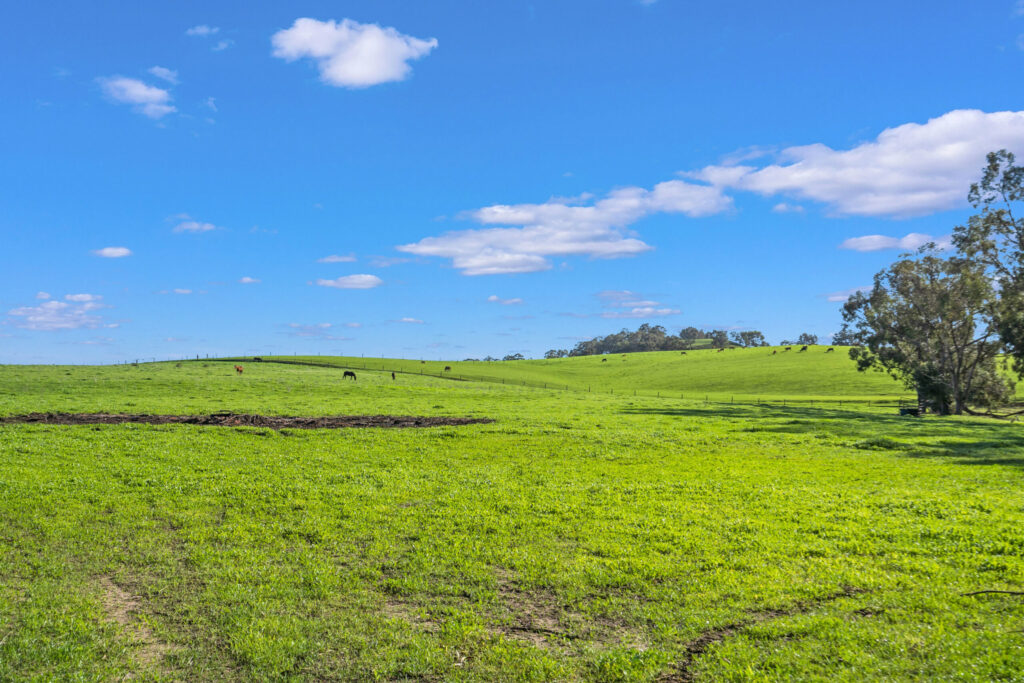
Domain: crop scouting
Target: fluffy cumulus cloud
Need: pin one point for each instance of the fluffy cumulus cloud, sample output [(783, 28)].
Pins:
[(144, 99), (359, 281), (563, 227), (908, 242), (349, 54), (495, 299), (113, 252), (910, 170), (336, 258), (169, 75), (77, 311)]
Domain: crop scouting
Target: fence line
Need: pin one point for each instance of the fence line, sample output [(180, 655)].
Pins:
[(897, 402)]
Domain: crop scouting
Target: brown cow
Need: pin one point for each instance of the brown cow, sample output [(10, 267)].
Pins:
[(774, 352), (238, 369)]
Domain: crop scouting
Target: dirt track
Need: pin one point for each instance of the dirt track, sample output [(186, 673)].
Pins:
[(243, 420)]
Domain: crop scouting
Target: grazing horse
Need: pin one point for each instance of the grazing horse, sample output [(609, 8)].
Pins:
[(347, 374), (447, 368), (829, 350), (802, 348), (238, 369)]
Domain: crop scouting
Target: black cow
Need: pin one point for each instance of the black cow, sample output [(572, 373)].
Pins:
[(392, 377), (257, 358), (604, 360), (788, 348), (347, 374), (447, 368), (829, 350), (682, 353), (802, 348)]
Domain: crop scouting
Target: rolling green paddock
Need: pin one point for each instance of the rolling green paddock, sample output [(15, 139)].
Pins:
[(745, 374), (580, 537)]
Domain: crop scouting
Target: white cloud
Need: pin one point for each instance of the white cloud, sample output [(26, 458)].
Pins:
[(194, 226), (222, 45), (562, 227), (318, 331), (42, 295), (182, 291), (845, 294), (413, 321), (783, 207), (335, 258), (249, 280), (202, 30), (77, 312), (145, 99), (169, 75), (349, 54), (360, 281), (638, 306), (641, 312), (494, 298), (908, 242), (353, 325), (910, 170), (113, 252)]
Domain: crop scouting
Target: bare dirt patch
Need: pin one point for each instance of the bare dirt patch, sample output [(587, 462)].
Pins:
[(246, 420), (122, 607)]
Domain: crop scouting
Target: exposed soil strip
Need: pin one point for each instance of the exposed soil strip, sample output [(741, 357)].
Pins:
[(244, 420), (697, 647), (123, 607)]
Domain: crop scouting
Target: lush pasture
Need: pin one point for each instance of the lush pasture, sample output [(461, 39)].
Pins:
[(740, 373), (582, 536)]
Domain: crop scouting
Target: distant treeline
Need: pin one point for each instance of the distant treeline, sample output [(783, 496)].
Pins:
[(657, 338)]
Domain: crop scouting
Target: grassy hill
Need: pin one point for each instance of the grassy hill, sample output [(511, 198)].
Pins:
[(745, 374)]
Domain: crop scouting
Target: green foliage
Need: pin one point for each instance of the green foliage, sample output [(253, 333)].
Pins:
[(580, 537)]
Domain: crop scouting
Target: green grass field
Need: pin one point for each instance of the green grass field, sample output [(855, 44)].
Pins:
[(743, 374), (582, 536)]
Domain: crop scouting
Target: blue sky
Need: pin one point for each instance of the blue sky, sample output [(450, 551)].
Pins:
[(489, 178)]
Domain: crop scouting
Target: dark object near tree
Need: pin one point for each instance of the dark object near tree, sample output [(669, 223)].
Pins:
[(912, 412), (748, 338), (347, 374), (807, 339), (257, 358), (682, 353)]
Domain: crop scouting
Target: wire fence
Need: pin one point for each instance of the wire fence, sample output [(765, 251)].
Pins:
[(897, 402)]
